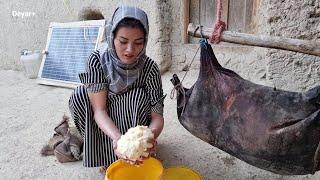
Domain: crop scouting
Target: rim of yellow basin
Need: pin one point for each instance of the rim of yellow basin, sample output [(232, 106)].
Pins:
[(120, 170), (181, 173)]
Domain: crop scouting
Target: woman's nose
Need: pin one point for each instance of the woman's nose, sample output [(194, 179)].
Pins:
[(130, 48)]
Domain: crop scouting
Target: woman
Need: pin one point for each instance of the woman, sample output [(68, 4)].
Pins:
[(122, 89)]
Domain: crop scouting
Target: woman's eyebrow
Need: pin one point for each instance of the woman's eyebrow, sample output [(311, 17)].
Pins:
[(124, 38), (142, 38)]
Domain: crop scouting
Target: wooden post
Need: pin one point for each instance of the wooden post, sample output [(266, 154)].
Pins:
[(296, 45)]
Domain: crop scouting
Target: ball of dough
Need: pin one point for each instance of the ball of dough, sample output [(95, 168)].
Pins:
[(134, 143)]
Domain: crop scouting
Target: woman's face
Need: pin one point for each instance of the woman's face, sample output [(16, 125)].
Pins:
[(128, 42)]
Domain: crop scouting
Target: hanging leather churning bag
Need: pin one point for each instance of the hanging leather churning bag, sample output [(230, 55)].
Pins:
[(272, 129)]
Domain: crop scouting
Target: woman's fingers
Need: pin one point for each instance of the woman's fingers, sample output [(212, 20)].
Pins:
[(114, 144), (152, 141), (127, 160), (138, 162), (154, 144), (120, 156), (148, 152)]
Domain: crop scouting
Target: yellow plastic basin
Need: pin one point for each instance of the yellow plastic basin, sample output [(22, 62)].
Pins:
[(181, 173), (151, 169)]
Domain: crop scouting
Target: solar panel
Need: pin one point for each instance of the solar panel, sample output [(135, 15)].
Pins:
[(68, 48)]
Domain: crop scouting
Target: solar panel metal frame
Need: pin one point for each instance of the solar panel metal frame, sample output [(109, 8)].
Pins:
[(99, 39)]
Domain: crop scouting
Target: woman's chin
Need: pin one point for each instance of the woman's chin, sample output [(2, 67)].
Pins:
[(128, 61)]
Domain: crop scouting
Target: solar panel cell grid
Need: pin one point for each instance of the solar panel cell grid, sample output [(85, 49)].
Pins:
[(68, 51)]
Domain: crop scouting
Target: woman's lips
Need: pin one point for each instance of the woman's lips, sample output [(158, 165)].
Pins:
[(128, 56)]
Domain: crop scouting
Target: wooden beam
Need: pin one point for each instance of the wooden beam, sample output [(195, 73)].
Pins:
[(296, 45)]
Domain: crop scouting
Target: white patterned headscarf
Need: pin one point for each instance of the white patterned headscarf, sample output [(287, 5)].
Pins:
[(121, 76)]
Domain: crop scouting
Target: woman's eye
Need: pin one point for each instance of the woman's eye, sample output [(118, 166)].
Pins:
[(139, 43), (123, 42)]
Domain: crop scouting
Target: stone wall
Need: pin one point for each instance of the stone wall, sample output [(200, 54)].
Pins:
[(30, 32), (293, 19), (162, 42), (282, 69)]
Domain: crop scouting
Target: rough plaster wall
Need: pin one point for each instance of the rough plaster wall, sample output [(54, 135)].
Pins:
[(249, 62), (294, 19), (260, 17), (162, 41), (31, 32)]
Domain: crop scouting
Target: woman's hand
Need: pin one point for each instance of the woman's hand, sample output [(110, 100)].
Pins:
[(156, 127), (152, 150), (156, 124), (149, 151), (114, 146)]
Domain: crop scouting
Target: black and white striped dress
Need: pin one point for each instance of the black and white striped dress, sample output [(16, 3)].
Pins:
[(127, 110)]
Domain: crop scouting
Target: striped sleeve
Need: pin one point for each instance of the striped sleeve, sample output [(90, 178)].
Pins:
[(93, 78), (154, 88)]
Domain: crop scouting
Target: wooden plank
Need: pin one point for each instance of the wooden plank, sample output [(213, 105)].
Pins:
[(195, 11), (296, 45), (248, 15), (194, 16), (207, 12), (236, 18), (185, 21), (240, 15), (225, 11), (204, 12)]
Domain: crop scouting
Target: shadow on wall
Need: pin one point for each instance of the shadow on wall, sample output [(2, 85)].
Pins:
[(90, 13)]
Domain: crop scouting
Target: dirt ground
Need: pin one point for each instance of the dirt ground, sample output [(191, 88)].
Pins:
[(29, 112)]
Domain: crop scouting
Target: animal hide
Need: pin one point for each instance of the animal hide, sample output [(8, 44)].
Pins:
[(272, 129)]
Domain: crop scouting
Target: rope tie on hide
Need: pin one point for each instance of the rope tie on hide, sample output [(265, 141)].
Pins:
[(201, 41), (178, 87)]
